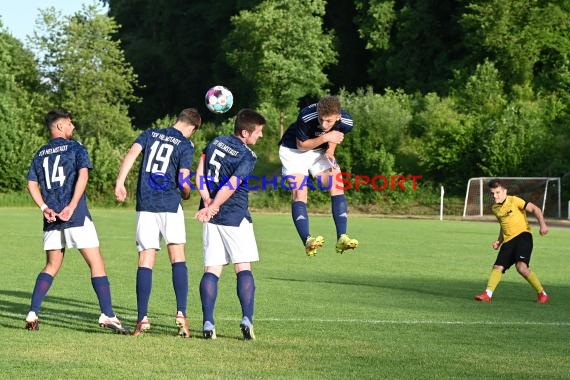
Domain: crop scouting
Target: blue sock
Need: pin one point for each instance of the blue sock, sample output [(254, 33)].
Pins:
[(180, 284), (144, 286), (43, 283), (208, 295), (246, 293), (103, 291), (340, 214), (301, 219)]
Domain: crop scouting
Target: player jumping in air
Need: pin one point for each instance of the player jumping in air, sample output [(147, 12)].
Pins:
[(307, 148)]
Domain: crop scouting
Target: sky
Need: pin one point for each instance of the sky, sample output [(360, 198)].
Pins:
[(19, 16)]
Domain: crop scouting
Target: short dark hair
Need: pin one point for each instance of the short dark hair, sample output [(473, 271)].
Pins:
[(54, 115), (247, 119), (190, 116), (494, 183), (328, 105)]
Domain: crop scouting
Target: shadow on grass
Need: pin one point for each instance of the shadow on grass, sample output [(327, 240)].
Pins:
[(74, 314), (513, 290)]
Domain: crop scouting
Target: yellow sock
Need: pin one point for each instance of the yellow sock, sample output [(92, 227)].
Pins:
[(494, 279), (535, 282)]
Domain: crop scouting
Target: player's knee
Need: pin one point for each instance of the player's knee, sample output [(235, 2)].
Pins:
[(522, 268)]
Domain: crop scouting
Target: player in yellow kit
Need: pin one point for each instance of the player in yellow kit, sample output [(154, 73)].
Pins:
[(515, 240)]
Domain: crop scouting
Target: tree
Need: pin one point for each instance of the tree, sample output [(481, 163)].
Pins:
[(415, 45), (86, 69), (87, 73), (175, 47), (21, 101), (529, 40), (281, 49)]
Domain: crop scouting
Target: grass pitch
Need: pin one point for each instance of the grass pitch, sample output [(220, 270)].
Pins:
[(399, 307)]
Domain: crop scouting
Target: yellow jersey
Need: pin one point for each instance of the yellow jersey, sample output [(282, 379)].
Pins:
[(511, 215)]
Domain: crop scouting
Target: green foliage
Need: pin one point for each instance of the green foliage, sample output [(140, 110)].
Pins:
[(525, 37), (88, 74), (414, 45), (20, 100), (380, 122), (480, 131), (281, 49), (86, 69), (375, 19), (445, 145)]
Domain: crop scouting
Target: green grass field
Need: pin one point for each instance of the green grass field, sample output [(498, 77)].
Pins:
[(399, 307)]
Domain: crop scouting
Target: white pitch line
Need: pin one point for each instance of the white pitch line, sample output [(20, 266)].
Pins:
[(408, 322), (350, 320)]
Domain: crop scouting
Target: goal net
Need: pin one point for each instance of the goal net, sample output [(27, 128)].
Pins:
[(542, 191)]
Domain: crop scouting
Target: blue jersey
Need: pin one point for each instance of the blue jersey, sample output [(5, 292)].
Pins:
[(225, 157), (165, 152), (55, 167), (307, 127)]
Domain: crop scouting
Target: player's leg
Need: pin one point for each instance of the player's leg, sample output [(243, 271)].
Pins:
[(86, 240), (143, 288), (99, 279), (54, 260), (492, 283), (245, 287), (180, 285), (331, 179), (301, 216), (299, 196), (148, 243), (524, 252), (505, 259), (102, 288), (208, 296), (296, 166), (242, 248), (215, 258), (173, 229)]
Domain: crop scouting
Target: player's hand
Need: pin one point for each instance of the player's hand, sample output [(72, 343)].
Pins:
[(543, 230), (207, 201), (205, 214), (120, 193), (66, 213), (496, 244), (332, 160), (50, 215), (334, 137)]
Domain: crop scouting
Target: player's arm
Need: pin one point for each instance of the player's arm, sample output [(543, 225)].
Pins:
[(223, 194), (531, 207), (36, 194), (126, 165), (201, 181), (78, 191), (330, 153), (335, 137), (184, 186), (497, 243)]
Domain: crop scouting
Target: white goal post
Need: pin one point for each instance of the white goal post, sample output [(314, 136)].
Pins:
[(542, 191)]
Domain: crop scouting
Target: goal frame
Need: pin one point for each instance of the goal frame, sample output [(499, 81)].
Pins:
[(482, 181)]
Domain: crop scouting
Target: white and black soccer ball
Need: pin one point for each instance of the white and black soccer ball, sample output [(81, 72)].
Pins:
[(219, 99)]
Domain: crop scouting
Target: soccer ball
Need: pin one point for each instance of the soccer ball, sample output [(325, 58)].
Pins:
[(219, 99)]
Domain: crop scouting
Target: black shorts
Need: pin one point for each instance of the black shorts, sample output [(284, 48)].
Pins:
[(517, 249)]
